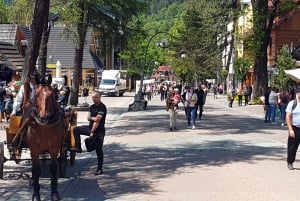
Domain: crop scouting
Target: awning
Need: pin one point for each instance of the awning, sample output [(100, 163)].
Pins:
[(294, 74), (97, 62)]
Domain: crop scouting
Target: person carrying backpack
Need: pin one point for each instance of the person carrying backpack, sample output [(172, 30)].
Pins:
[(293, 124)]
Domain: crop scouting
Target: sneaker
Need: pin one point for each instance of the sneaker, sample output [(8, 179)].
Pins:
[(290, 166), (282, 124), (193, 127), (99, 172), (171, 129)]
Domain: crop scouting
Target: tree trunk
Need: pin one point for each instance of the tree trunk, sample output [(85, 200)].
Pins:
[(77, 72), (262, 29), (42, 62), (41, 11)]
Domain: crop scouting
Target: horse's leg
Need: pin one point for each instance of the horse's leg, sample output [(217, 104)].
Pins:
[(36, 172), (53, 170)]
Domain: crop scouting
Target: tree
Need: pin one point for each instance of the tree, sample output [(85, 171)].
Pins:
[(241, 67), (284, 62), (41, 12), (106, 16), (3, 13), (263, 19)]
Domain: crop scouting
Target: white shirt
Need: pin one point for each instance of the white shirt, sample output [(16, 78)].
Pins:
[(19, 99), (273, 98), (191, 98), (295, 113)]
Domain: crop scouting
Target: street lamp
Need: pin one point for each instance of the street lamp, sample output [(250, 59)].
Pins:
[(139, 102)]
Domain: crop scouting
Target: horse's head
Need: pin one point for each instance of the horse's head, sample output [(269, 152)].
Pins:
[(45, 104)]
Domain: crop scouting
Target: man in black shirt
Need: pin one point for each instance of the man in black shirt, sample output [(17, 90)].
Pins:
[(96, 128), (200, 102), (267, 105)]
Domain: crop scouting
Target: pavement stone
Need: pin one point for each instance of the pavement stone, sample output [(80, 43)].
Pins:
[(231, 156)]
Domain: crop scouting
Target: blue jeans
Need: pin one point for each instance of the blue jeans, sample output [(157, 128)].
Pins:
[(191, 115), (283, 114), (267, 115), (272, 112)]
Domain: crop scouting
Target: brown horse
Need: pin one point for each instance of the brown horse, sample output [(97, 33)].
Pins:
[(46, 133)]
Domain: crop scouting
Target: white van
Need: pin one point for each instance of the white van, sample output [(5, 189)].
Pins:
[(113, 83)]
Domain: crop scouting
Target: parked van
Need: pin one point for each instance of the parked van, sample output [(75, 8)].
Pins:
[(113, 82)]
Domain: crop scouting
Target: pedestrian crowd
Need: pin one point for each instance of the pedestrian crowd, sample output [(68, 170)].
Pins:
[(192, 101), (276, 102)]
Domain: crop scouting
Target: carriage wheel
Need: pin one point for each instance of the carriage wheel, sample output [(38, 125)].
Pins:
[(62, 164), (72, 157), (2, 159)]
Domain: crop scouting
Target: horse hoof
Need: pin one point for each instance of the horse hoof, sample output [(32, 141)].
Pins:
[(55, 197), (36, 197)]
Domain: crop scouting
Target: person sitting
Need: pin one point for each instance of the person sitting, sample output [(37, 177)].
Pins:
[(23, 105), (62, 98), (24, 100)]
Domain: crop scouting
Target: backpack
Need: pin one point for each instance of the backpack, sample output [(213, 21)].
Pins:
[(294, 104)]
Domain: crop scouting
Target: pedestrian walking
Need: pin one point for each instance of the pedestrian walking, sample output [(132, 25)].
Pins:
[(273, 102), (200, 101), (231, 96), (95, 129), (240, 94), (267, 105), (191, 99), (293, 124), (283, 101), (172, 101)]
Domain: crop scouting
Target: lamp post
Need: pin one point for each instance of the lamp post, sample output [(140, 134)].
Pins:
[(139, 102)]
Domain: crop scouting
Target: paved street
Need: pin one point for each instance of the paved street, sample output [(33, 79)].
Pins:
[(231, 156)]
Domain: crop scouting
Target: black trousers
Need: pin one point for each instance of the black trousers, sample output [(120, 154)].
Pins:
[(200, 107), (293, 144), (84, 130)]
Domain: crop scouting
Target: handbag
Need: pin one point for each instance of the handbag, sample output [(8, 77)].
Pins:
[(91, 143)]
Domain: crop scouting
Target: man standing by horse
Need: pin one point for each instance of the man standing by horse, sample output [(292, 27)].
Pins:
[(95, 129)]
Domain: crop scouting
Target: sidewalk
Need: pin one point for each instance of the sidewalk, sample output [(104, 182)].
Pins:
[(231, 156)]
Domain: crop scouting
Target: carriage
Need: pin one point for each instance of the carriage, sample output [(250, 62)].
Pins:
[(11, 130), (47, 131)]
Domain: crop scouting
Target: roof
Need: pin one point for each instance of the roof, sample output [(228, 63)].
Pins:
[(164, 68), (8, 33), (63, 50), (11, 56)]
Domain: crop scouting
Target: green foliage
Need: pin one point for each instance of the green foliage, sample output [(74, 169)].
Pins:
[(256, 101), (21, 12), (3, 13), (284, 62), (224, 73), (241, 67)]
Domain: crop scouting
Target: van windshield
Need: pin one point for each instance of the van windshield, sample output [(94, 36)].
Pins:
[(108, 82)]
